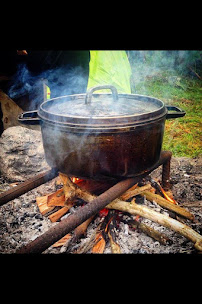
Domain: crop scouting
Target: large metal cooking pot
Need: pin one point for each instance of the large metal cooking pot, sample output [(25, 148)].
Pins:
[(102, 135)]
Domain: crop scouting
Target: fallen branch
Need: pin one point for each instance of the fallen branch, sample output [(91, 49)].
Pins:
[(159, 218)]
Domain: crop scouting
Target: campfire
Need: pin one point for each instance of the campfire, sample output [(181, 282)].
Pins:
[(75, 192), (104, 207)]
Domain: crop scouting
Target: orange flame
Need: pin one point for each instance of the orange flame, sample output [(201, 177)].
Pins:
[(76, 180), (171, 200)]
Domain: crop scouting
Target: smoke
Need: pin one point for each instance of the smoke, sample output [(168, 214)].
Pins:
[(61, 80), (163, 65), (21, 82)]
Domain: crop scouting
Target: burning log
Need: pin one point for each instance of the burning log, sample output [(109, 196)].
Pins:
[(159, 218)]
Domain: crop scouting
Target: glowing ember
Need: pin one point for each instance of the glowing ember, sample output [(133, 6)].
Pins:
[(76, 180), (103, 212)]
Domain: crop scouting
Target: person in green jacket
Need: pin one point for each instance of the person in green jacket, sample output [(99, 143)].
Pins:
[(110, 67)]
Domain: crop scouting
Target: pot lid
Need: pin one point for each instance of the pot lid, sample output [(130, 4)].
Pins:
[(102, 110)]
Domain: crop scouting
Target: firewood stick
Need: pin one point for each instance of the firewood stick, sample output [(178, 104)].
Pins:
[(56, 199), (78, 233), (193, 204), (100, 242), (115, 248), (42, 204), (68, 186), (153, 233), (133, 191), (166, 204), (114, 245), (81, 229), (62, 241), (159, 218), (58, 214)]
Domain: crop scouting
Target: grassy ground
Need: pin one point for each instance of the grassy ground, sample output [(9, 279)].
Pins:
[(182, 135)]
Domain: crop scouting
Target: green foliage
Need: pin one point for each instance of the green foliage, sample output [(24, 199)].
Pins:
[(178, 60), (183, 135)]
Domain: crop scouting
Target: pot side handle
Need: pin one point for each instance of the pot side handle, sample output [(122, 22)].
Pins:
[(29, 118), (175, 112)]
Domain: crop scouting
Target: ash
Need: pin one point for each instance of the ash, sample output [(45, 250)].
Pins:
[(21, 221)]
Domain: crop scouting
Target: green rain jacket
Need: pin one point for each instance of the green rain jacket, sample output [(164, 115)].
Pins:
[(110, 67)]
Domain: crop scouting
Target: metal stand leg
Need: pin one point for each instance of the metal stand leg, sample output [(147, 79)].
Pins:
[(166, 173)]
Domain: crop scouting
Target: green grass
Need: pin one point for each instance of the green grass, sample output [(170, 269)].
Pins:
[(182, 135)]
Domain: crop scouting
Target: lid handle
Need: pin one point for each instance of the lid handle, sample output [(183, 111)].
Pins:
[(101, 87)]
